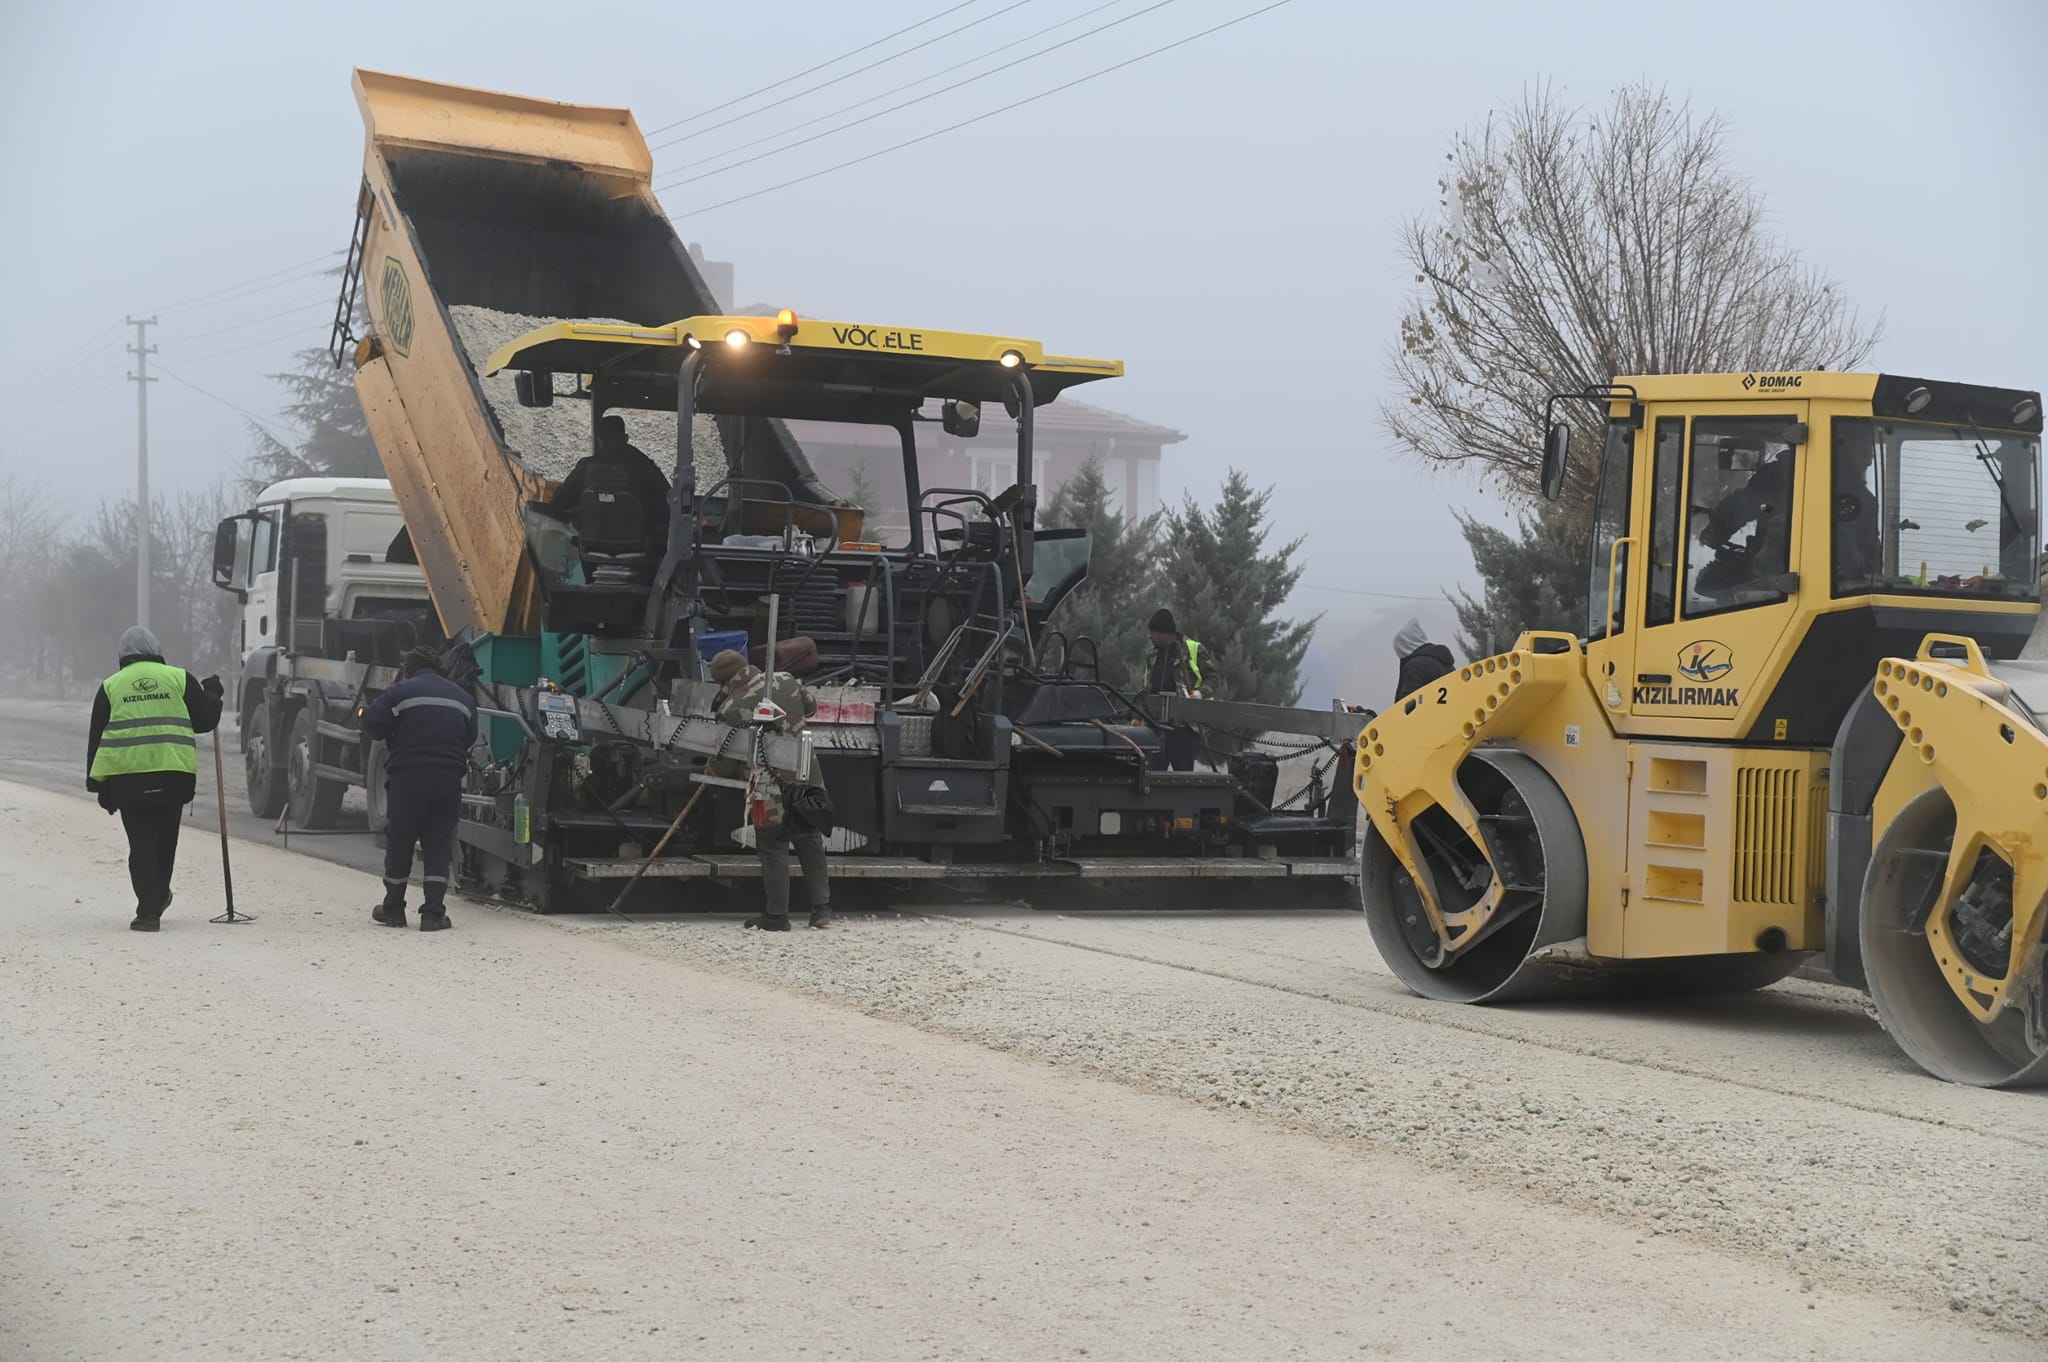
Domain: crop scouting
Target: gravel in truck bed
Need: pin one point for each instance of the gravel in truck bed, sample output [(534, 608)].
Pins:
[(549, 440)]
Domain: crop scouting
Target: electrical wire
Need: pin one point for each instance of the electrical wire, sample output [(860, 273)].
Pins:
[(810, 70), (929, 95), (325, 302), (207, 299), (849, 75), (263, 422), (906, 85), (59, 407), (1380, 595), (77, 354), (297, 333), (984, 117)]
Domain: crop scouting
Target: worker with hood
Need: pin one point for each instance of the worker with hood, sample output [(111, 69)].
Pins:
[(142, 760), (1421, 661), (428, 724)]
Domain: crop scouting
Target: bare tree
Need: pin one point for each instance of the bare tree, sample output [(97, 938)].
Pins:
[(1568, 248), (28, 538)]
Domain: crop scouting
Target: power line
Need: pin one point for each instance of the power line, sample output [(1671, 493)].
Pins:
[(984, 117), (1381, 595), (242, 289), (256, 290), (297, 333), (810, 70), (929, 95), (76, 355), (59, 407), (325, 301), (849, 75), (907, 85), (207, 297), (275, 433)]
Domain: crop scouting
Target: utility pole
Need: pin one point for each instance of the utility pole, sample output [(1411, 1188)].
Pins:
[(142, 350)]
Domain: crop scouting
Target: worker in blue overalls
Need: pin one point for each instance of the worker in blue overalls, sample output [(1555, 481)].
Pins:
[(428, 724)]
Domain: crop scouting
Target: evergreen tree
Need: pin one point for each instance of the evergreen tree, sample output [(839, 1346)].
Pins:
[(323, 404), (1534, 579), (860, 490), (1226, 592), (1112, 605)]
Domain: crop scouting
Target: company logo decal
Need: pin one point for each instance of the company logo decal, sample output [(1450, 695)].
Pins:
[(1770, 382), (1705, 660), (397, 307)]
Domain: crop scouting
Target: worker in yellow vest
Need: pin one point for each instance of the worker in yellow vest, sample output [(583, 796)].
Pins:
[(1174, 668), (142, 759)]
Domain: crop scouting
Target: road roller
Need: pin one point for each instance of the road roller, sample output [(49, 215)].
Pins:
[(1802, 724)]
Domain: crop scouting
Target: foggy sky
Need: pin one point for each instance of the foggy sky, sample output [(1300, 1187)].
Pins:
[(1222, 217)]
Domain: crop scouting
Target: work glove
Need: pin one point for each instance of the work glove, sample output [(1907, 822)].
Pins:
[(211, 686), (107, 801)]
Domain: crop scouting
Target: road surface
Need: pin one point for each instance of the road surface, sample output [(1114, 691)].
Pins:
[(980, 1132)]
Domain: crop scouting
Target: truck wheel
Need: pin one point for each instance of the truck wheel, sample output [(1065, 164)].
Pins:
[(373, 782), (261, 776), (315, 802)]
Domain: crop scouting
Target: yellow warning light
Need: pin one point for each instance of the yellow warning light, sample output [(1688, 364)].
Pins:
[(785, 323)]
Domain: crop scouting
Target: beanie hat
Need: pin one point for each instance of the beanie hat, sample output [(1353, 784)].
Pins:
[(726, 665), (1162, 622), (425, 658)]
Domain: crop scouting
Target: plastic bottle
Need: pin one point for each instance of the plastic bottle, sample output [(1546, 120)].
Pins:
[(522, 819)]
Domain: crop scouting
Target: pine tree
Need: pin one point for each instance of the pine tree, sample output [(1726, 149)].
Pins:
[(1226, 592), (860, 490), (1112, 606), (1535, 579), (323, 404)]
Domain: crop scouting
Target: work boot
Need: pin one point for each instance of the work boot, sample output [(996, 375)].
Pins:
[(821, 916), (144, 922), (762, 922), (434, 920), (387, 915)]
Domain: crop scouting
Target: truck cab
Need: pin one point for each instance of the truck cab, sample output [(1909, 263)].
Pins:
[(332, 596)]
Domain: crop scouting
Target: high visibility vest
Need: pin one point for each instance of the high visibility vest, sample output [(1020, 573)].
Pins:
[(1195, 662), (148, 726)]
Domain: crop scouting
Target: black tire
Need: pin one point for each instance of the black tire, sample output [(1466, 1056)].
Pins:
[(262, 773), (377, 797), (315, 803)]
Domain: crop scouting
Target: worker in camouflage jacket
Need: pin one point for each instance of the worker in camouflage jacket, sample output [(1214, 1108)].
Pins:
[(741, 688)]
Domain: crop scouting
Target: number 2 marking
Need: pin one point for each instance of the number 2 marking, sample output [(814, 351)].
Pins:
[(1443, 695)]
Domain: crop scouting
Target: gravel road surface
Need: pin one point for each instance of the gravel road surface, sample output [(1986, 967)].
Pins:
[(978, 1133)]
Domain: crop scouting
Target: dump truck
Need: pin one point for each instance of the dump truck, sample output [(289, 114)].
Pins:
[(1801, 724), (330, 598), (523, 286)]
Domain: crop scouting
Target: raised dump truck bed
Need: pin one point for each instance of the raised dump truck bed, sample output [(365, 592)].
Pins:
[(482, 215)]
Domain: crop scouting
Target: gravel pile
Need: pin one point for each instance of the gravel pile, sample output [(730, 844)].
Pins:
[(1841, 1193), (549, 440)]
